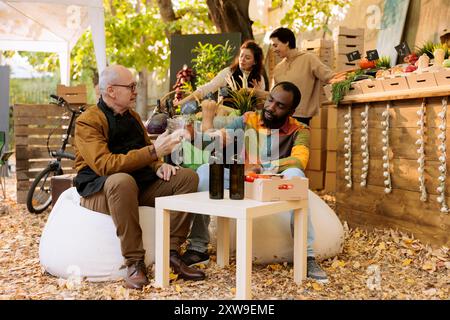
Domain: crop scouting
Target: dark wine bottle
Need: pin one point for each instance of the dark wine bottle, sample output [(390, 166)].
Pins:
[(237, 185), (216, 171)]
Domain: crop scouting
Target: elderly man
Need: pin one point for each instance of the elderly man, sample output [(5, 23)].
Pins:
[(118, 169)]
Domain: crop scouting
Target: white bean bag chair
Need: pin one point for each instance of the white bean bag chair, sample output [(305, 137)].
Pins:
[(81, 242), (272, 240)]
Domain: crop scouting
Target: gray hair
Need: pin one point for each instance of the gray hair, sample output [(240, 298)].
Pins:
[(109, 75)]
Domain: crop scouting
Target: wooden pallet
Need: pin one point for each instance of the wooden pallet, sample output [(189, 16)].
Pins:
[(32, 125)]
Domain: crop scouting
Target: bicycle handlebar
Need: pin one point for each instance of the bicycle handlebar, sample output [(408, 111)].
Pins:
[(62, 154), (60, 101)]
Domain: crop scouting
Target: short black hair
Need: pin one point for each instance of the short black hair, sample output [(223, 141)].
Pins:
[(290, 87), (284, 35)]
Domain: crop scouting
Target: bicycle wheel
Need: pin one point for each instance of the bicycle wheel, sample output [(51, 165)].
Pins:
[(40, 194)]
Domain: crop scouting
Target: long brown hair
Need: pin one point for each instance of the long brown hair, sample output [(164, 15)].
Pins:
[(257, 52)]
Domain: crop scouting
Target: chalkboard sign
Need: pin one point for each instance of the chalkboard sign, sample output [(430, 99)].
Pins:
[(372, 55), (354, 55), (403, 49)]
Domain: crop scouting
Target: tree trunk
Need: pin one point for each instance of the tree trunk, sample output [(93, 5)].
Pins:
[(231, 16), (142, 96), (167, 15)]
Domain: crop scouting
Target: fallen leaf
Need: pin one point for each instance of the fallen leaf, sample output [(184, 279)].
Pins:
[(275, 267), (269, 282), (406, 262), (430, 292), (178, 288), (316, 286), (173, 276)]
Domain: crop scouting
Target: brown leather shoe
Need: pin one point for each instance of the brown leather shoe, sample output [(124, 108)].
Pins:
[(184, 271), (136, 276)]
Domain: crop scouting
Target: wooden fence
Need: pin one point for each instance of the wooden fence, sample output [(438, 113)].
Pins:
[(32, 125)]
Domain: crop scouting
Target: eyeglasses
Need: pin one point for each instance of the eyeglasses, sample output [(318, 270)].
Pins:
[(132, 86)]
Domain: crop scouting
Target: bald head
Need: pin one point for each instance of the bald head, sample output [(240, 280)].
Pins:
[(117, 87), (112, 75)]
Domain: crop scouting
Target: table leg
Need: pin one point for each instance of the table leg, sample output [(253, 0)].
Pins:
[(162, 247), (300, 243), (223, 241), (244, 259)]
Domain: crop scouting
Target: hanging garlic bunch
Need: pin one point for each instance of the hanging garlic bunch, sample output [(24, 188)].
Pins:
[(385, 140), (421, 151), (365, 145), (443, 157), (348, 147)]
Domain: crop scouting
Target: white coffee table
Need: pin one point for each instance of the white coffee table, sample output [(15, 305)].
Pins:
[(244, 211)]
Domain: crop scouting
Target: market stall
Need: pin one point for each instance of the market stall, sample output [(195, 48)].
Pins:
[(392, 162)]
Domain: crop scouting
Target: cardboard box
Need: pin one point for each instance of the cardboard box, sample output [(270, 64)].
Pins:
[(343, 31), (371, 86), (277, 189), (318, 139), (330, 181), (319, 121), (315, 179), (332, 117), (394, 84), (421, 80), (332, 139), (443, 77), (331, 161), (317, 159)]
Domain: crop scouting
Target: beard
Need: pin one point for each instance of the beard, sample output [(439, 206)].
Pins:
[(271, 122)]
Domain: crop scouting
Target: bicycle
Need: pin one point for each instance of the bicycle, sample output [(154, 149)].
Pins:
[(39, 195)]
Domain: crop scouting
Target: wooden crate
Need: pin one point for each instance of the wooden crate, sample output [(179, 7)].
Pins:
[(371, 86), (319, 121), (344, 31), (394, 84), (370, 207), (330, 181), (32, 124), (443, 77), (331, 161), (315, 179), (421, 80), (350, 40), (74, 95), (317, 159), (318, 139), (317, 43), (331, 139), (343, 49)]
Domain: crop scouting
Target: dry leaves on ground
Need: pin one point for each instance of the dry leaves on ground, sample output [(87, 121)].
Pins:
[(383, 264)]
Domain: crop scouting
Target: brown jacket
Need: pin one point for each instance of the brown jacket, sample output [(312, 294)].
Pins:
[(91, 144), (306, 71)]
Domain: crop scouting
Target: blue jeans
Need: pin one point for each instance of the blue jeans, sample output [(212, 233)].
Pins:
[(199, 235)]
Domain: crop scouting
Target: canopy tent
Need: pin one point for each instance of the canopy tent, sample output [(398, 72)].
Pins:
[(52, 26)]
